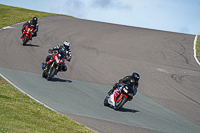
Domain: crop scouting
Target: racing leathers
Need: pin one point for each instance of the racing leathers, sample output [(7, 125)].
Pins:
[(67, 56), (128, 81), (34, 25)]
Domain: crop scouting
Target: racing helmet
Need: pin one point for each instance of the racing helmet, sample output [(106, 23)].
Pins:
[(66, 44), (34, 20), (135, 76)]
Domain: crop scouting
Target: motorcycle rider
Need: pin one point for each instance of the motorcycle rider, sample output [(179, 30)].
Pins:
[(67, 54), (131, 81), (34, 24)]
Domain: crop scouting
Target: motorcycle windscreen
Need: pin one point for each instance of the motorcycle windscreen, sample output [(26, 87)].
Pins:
[(61, 53)]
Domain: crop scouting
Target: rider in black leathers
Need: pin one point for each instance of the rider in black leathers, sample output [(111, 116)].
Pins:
[(131, 81), (34, 24)]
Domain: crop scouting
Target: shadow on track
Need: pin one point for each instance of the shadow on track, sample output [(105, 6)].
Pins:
[(54, 79), (125, 110), (32, 45), (128, 110)]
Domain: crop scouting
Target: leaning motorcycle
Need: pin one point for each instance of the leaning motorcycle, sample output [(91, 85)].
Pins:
[(27, 34), (119, 97), (56, 61)]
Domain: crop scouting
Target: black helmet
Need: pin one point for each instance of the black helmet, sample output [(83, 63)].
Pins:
[(135, 76), (35, 19)]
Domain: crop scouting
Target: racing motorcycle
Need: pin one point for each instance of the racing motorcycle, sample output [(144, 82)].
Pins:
[(54, 64), (27, 34), (119, 97)]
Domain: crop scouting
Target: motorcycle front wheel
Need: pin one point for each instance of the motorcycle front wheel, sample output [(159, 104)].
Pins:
[(106, 102), (119, 104), (25, 40), (52, 72)]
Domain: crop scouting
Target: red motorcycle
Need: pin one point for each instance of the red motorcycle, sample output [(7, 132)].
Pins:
[(53, 65), (27, 34)]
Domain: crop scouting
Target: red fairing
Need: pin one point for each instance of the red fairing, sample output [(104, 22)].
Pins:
[(123, 95), (116, 93), (61, 61), (27, 32), (49, 61)]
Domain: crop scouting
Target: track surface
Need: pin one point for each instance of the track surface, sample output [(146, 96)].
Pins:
[(169, 92)]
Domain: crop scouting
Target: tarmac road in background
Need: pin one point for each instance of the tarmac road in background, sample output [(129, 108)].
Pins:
[(102, 53)]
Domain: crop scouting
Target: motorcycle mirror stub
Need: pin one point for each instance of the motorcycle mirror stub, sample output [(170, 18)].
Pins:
[(42, 64)]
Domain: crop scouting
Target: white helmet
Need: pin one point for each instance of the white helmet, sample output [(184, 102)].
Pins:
[(66, 44)]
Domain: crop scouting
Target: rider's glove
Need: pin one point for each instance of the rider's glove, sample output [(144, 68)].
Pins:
[(116, 85), (68, 59), (50, 50)]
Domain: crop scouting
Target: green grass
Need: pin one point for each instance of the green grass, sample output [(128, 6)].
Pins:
[(198, 48), (11, 15), (18, 112)]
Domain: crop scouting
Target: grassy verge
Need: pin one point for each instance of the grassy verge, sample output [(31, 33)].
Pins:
[(198, 48), (18, 112), (11, 15)]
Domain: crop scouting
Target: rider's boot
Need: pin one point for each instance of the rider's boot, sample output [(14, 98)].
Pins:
[(44, 65), (22, 33)]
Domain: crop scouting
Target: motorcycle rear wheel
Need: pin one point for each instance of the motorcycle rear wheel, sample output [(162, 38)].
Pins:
[(119, 104), (25, 40), (52, 72)]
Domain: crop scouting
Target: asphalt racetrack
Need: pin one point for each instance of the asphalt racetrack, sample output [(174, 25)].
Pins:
[(168, 98)]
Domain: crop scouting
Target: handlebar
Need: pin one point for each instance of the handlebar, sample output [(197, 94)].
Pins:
[(52, 52)]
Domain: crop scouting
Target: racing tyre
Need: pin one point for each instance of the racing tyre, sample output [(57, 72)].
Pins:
[(52, 72), (25, 40), (119, 104), (106, 102)]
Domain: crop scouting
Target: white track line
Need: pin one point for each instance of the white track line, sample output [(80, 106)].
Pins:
[(37, 100), (26, 93), (194, 48)]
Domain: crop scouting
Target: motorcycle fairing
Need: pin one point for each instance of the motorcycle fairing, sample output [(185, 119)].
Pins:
[(59, 61), (27, 32), (111, 100), (113, 96)]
